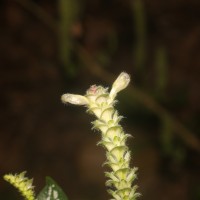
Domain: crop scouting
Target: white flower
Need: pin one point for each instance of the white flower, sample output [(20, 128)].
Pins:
[(120, 83), (74, 99)]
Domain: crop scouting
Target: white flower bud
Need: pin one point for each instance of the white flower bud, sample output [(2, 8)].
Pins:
[(74, 99), (120, 83)]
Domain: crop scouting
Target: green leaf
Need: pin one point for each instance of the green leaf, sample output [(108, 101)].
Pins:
[(52, 191)]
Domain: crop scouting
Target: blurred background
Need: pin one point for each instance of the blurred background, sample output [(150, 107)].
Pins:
[(53, 47)]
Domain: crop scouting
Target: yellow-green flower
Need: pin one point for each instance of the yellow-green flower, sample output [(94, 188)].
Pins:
[(23, 184)]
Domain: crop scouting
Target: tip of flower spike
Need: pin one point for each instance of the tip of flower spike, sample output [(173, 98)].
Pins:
[(74, 99), (120, 83), (124, 75)]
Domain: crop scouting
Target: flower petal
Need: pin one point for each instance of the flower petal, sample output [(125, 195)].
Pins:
[(74, 99)]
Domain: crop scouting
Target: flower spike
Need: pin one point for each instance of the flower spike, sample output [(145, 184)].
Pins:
[(101, 103), (23, 184)]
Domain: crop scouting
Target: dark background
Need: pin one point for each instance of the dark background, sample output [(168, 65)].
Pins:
[(48, 48)]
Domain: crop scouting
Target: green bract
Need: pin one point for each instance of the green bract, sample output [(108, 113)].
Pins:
[(101, 103)]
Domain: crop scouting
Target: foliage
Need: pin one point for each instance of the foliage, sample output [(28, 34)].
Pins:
[(52, 191)]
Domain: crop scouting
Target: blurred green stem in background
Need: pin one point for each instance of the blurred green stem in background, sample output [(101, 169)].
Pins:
[(169, 146), (166, 135), (140, 31), (68, 10), (161, 66)]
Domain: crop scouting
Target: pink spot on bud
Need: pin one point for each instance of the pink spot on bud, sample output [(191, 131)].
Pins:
[(93, 89)]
